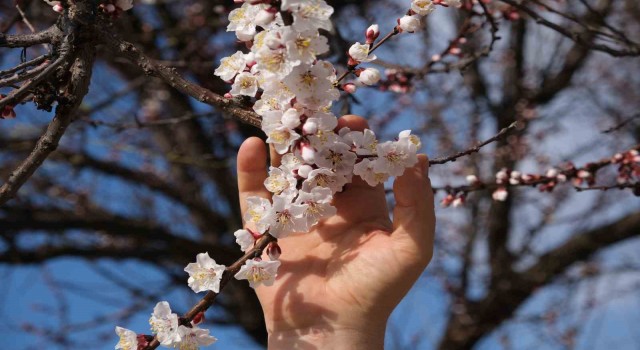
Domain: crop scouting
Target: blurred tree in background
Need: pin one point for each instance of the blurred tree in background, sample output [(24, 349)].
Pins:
[(143, 176)]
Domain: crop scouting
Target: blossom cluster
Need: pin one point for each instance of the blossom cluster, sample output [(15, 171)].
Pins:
[(293, 91)]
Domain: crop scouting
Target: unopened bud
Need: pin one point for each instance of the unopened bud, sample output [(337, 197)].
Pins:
[(199, 318), (308, 153), (265, 17), (274, 251), (349, 87), (372, 33), (310, 127), (369, 76)]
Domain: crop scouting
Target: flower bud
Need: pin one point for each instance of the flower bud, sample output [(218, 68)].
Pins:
[(472, 179), (274, 251), (199, 318), (264, 17), (349, 87), (369, 76), (372, 33), (409, 23), (308, 154), (310, 127)]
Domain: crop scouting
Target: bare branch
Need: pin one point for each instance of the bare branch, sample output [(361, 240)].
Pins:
[(48, 142), (476, 148), (47, 36)]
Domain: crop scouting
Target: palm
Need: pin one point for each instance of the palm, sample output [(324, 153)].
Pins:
[(349, 264)]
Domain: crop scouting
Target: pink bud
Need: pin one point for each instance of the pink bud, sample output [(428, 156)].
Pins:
[(58, 8), (349, 88), (199, 318), (274, 251), (447, 200), (372, 33)]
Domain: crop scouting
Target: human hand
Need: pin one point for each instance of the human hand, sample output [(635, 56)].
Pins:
[(339, 283)]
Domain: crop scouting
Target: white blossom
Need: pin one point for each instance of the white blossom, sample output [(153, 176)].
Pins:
[(242, 21), (406, 136), (280, 137), (360, 52), (245, 84), (164, 324), (472, 179), (279, 180), (128, 339), (310, 80), (337, 157), (410, 23), (394, 157), (192, 338), (365, 169), (422, 7), (231, 66), (310, 14), (245, 239), (305, 46), (324, 178), (290, 163), (318, 203), (257, 209), (204, 274), (259, 272), (285, 217), (274, 63), (369, 76), (362, 142), (500, 194)]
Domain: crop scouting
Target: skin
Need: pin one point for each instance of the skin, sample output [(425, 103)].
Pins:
[(339, 283)]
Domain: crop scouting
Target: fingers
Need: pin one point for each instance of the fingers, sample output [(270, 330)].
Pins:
[(252, 170), (353, 122), (274, 156), (413, 217)]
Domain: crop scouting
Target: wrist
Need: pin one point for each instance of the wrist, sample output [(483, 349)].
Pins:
[(368, 337)]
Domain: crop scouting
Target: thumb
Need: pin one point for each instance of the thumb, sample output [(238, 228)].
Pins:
[(413, 216)]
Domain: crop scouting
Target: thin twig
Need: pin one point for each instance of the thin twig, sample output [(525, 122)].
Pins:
[(34, 62), (621, 124), (632, 50), (476, 148), (17, 95)]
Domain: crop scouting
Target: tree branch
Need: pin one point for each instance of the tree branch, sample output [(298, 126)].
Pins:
[(48, 142)]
